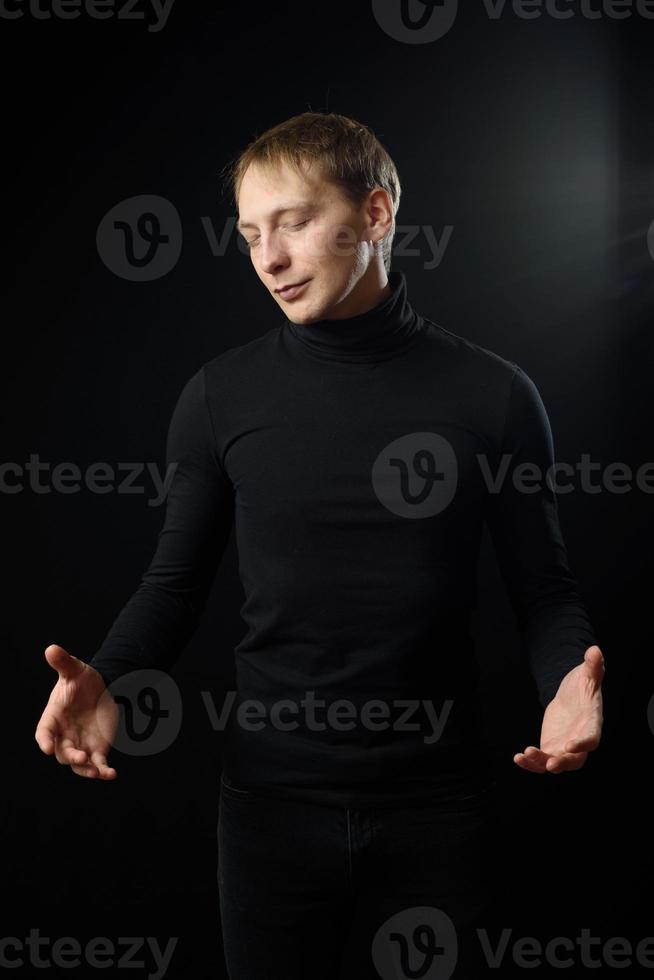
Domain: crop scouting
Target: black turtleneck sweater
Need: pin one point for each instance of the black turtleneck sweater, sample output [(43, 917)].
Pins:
[(353, 456)]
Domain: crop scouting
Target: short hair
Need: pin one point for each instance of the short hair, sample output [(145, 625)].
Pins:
[(347, 153)]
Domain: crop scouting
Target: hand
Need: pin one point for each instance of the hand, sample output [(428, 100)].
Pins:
[(80, 719), (572, 723)]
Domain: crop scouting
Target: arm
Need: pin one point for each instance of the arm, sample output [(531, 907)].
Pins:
[(162, 614), (563, 656), (80, 719), (524, 526)]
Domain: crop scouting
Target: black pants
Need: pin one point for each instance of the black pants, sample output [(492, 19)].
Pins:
[(321, 892)]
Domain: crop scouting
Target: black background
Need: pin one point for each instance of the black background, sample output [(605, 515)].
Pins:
[(533, 139)]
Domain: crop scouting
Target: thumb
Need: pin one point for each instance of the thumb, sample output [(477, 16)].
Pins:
[(63, 662), (594, 658)]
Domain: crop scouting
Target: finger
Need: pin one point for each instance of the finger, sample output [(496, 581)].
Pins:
[(565, 762), (108, 773), (105, 771), (63, 662), (45, 735), (536, 756), (595, 659), (67, 752), (532, 758), (89, 771), (526, 763)]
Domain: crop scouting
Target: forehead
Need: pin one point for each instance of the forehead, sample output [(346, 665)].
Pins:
[(266, 192)]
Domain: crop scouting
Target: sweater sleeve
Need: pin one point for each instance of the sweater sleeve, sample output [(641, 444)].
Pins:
[(524, 526), (162, 614)]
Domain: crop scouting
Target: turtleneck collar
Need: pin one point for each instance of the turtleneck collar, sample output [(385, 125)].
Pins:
[(380, 333)]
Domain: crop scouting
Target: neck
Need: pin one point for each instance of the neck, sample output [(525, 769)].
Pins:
[(368, 293), (380, 332)]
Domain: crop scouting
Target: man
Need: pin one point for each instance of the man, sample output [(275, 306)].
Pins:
[(355, 446)]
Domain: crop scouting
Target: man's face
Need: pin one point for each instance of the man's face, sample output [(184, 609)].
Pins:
[(302, 229)]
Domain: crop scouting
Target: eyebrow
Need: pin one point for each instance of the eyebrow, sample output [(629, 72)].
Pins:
[(291, 206)]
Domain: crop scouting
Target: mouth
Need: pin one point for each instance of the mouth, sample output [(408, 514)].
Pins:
[(291, 291)]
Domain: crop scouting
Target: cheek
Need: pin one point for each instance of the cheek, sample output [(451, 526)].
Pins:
[(312, 244), (344, 242), (328, 242)]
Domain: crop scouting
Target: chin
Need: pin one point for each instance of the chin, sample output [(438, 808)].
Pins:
[(296, 316)]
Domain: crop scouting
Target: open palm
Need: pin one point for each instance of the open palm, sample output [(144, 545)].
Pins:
[(572, 723), (80, 719)]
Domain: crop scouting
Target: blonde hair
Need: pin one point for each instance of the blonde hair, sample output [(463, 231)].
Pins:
[(346, 152)]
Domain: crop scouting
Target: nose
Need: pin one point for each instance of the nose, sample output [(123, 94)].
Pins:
[(272, 257)]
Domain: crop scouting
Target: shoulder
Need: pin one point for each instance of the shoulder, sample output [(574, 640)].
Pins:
[(237, 362), (463, 354), (230, 371), (502, 393)]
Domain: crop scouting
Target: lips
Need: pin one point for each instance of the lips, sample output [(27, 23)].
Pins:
[(288, 292)]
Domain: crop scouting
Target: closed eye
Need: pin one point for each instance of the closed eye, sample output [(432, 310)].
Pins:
[(252, 243)]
